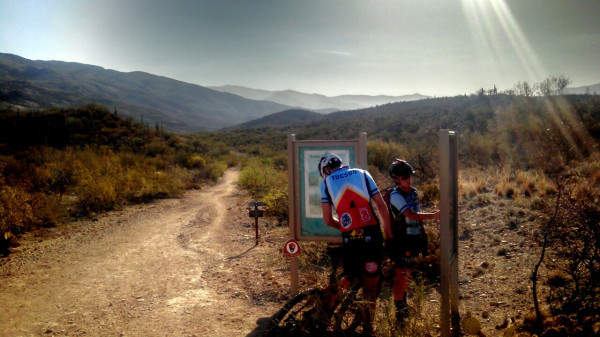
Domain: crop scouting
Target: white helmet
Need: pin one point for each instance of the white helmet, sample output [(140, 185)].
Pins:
[(330, 161)]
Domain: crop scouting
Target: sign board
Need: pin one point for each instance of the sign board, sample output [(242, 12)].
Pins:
[(291, 248), (306, 215), (256, 213)]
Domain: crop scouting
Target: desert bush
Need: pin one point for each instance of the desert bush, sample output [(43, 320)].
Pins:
[(267, 183), (276, 198), (48, 209), (212, 172), (478, 150), (104, 180), (256, 177), (382, 153), (100, 161), (156, 148), (571, 241), (429, 194), (194, 162), (16, 213)]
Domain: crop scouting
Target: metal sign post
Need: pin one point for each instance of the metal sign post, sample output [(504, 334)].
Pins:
[(256, 213), (449, 316)]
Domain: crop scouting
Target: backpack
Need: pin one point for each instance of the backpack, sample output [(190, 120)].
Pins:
[(398, 222)]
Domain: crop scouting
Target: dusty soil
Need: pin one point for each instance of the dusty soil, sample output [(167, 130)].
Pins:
[(177, 267), (189, 266)]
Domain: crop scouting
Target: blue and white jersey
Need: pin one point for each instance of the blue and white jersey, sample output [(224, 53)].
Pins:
[(349, 190), (403, 201)]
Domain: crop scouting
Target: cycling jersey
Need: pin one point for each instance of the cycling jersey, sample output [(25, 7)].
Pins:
[(410, 239), (401, 201), (349, 190)]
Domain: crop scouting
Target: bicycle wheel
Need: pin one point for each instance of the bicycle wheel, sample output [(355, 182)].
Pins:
[(303, 315), (351, 315)]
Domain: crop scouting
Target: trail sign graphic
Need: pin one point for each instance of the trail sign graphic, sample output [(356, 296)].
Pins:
[(291, 248)]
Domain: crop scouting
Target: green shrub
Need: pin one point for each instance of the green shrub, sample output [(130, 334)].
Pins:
[(48, 209), (255, 177), (16, 213), (276, 198), (213, 171), (195, 162), (381, 153)]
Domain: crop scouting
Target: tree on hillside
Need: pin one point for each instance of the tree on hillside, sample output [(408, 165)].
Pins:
[(523, 89), (553, 86)]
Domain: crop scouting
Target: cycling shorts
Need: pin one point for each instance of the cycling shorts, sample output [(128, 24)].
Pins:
[(403, 249), (362, 252)]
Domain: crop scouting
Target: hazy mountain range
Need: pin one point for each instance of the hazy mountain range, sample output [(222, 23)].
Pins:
[(589, 89), (178, 106), (317, 102)]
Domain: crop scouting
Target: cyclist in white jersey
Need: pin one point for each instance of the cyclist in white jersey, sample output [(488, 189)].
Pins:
[(350, 191), (409, 238)]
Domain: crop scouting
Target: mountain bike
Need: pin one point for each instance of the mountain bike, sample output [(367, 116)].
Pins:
[(336, 310)]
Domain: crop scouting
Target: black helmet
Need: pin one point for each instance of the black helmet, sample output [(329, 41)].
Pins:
[(329, 160), (400, 168)]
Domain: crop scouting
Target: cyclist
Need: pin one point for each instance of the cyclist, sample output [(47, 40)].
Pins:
[(350, 191), (409, 238)]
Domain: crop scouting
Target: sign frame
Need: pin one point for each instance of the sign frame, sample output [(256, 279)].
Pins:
[(305, 214)]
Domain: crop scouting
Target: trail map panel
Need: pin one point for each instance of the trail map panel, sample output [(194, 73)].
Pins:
[(311, 214), (306, 215)]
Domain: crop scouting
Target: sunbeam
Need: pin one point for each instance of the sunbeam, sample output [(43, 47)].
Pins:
[(495, 29)]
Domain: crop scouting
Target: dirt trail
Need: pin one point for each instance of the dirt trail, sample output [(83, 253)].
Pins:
[(175, 267)]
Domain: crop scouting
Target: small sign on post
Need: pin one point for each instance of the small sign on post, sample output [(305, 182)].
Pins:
[(291, 248), (256, 213)]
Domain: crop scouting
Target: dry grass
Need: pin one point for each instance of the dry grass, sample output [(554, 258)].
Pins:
[(424, 312), (471, 183)]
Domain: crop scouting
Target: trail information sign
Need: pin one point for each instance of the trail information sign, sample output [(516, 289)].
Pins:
[(306, 215), (305, 212)]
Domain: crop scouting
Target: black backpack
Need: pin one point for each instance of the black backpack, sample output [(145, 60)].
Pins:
[(398, 222)]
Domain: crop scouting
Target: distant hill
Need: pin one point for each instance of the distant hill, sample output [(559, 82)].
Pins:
[(178, 106), (589, 89), (317, 102), (283, 118)]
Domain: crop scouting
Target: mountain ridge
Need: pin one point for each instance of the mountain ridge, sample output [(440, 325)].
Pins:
[(314, 101), (173, 104), (180, 106)]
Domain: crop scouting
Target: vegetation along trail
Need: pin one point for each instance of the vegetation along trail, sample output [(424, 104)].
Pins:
[(174, 267)]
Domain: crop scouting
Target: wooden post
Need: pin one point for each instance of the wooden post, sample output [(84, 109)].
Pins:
[(362, 150), (449, 315), (291, 209)]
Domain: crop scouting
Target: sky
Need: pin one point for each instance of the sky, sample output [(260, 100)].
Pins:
[(330, 47)]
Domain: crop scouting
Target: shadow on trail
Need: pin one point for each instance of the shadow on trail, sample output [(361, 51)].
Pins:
[(240, 255), (260, 329)]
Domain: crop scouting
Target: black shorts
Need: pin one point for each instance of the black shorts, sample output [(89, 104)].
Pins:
[(404, 248), (362, 253)]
